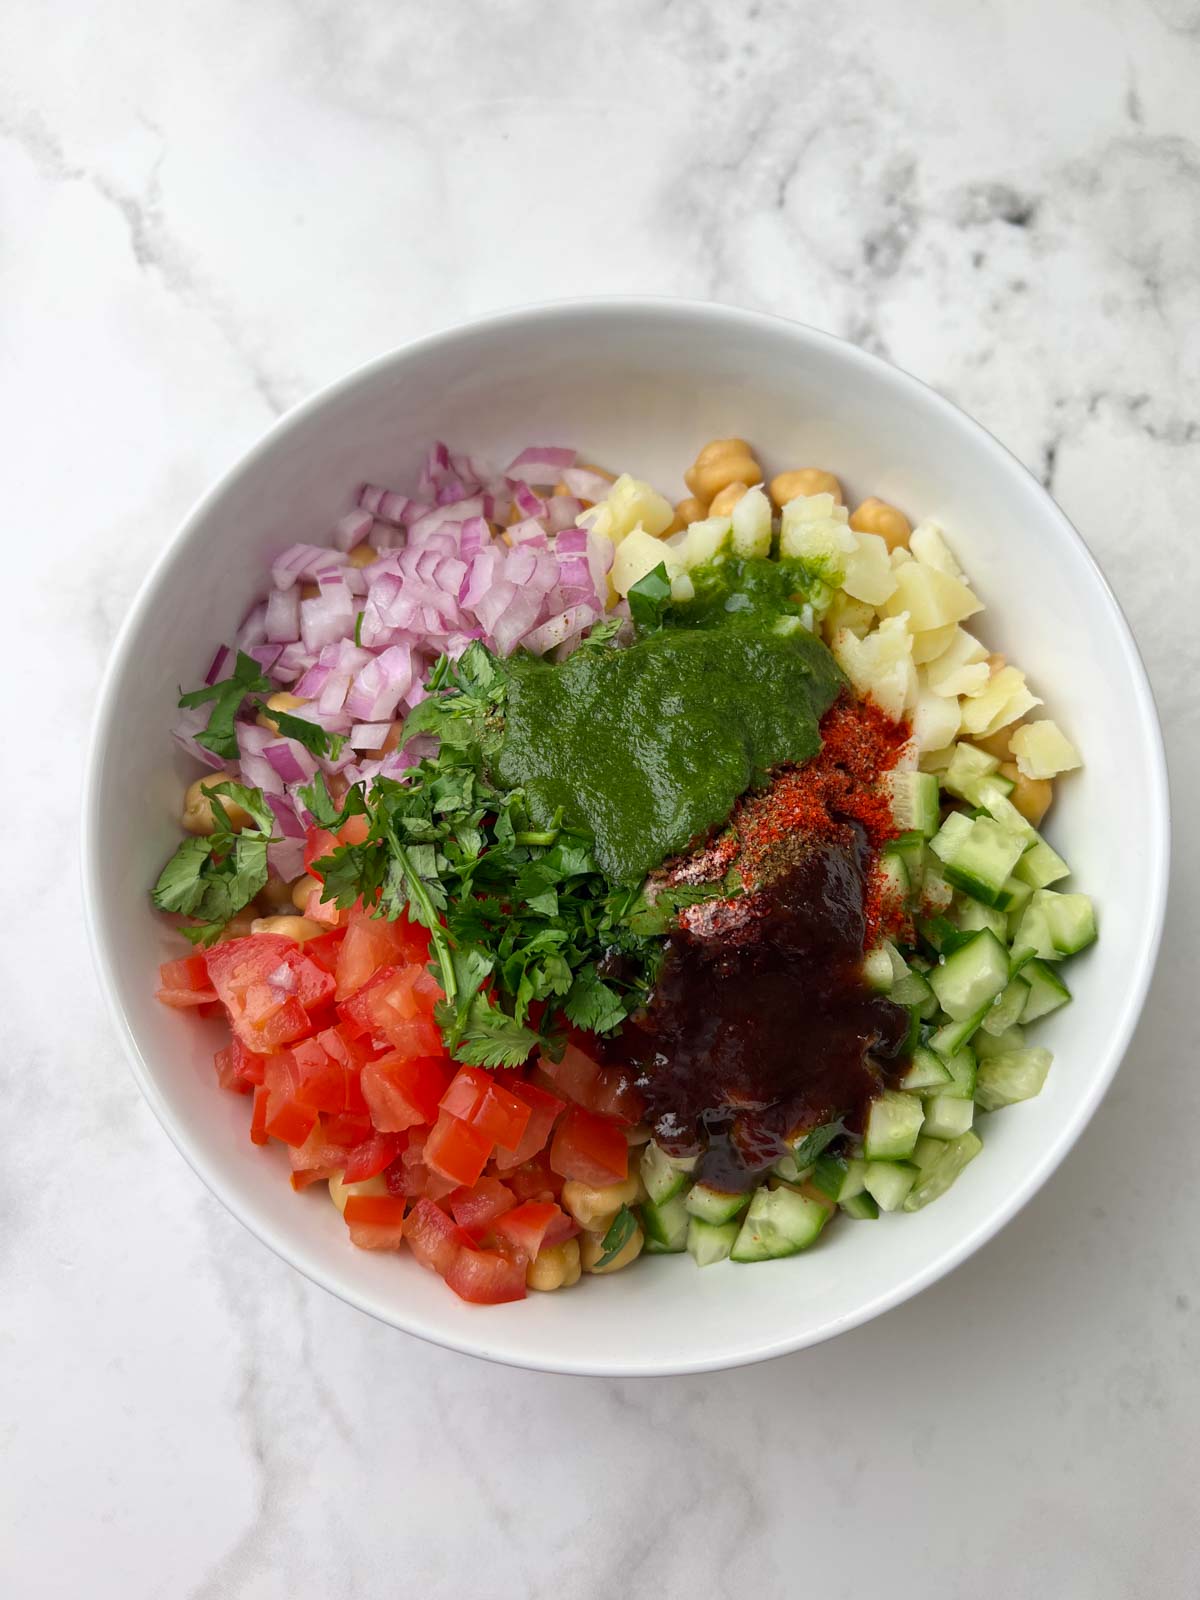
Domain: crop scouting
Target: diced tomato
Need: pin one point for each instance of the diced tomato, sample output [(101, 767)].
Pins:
[(324, 948), (228, 1075), (456, 1149), (410, 1176), (372, 1155), (476, 1207), (376, 1221), (590, 1148), (324, 911), (322, 1081), (486, 1277), (314, 985), (317, 1158), (289, 1121), (374, 942), (534, 1179), (466, 1092), (607, 1090), (403, 1092), (351, 1055), (348, 1130), (185, 983), (389, 1006), (258, 1117), (544, 1109), (434, 1237), (533, 1224), (502, 1116)]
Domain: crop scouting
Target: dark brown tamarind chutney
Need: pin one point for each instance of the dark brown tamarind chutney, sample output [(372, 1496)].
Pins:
[(763, 1028)]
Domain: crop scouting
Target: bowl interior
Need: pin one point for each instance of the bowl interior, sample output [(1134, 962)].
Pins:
[(639, 387)]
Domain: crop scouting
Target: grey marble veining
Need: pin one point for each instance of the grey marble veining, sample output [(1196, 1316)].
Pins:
[(205, 213)]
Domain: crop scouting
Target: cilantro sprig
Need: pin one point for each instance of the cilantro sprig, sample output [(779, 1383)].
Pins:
[(523, 925), (229, 695), (211, 878)]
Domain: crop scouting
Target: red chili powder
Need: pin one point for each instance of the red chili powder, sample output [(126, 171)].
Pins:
[(817, 802)]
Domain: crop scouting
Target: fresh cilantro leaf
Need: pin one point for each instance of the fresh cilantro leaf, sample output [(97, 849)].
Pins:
[(649, 597), (489, 1037), (592, 1004), (315, 739), (316, 799), (621, 1230), (220, 736), (602, 634), (250, 800), (358, 622), (180, 886)]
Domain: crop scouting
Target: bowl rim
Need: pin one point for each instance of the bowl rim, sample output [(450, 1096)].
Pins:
[(1049, 1157)]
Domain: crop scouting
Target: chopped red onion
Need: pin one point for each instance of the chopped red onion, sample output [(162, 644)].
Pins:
[(267, 655), (283, 615), (291, 761), (586, 484), (561, 511), (381, 685), (369, 735), (286, 859), (218, 664), (300, 561), (254, 628), (526, 502), (559, 629), (541, 464), (385, 504), (354, 528)]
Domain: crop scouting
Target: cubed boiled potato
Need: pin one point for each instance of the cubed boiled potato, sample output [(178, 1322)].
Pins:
[(639, 553), (867, 573), (752, 524), (961, 668), (1042, 750), (928, 544), (1005, 698), (630, 504), (705, 541), (880, 666), (932, 598), (928, 646), (813, 528)]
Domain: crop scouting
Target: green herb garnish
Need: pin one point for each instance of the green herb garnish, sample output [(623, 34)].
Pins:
[(621, 1230), (649, 598), (228, 697), (211, 879)]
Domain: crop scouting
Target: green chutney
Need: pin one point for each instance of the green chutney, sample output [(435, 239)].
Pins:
[(647, 748)]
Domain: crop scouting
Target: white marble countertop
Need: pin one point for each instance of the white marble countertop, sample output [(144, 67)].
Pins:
[(206, 213)]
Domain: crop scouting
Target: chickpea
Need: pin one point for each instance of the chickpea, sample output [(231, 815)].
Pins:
[(876, 516), (591, 1248), (198, 814), (725, 499), (240, 926), (805, 480), (302, 888), (556, 1267), (996, 744), (595, 1208), (298, 928), (340, 1191), (1031, 796), (363, 555), (275, 896), (690, 510), (722, 462), (283, 701)]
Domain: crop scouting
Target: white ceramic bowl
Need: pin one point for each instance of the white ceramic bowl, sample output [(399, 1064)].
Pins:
[(639, 386)]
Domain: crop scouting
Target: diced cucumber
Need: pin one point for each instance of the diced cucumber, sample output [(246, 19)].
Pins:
[(927, 1152), (950, 1038), (1008, 1007), (967, 766), (936, 892), (913, 990), (1040, 866), (829, 1174), (977, 854), (1014, 897), (927, 1075), (914, 798), (888, 1183), (910, 847), (709, 1242), (780, 1222), (940, 1174), (972, 976), (854, 1180), (893, 879), (877, 970), (662, 1178), (998, 1044), (947, 1116), (1055, 925), (861, 1207), (713, 1205), (960, 1068), (971, 915), (1046, 990), (666, 1225), (992, 794), (893, 1123), (1016, 1075)]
